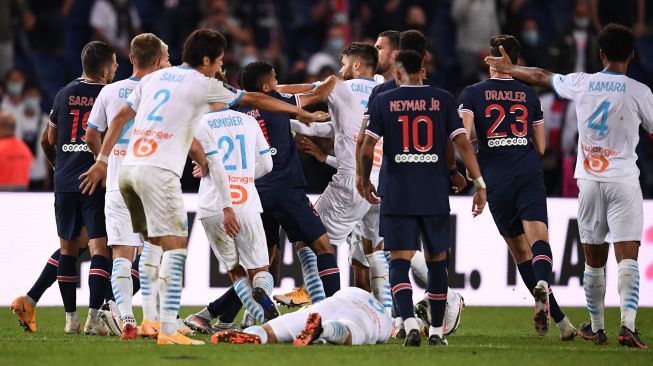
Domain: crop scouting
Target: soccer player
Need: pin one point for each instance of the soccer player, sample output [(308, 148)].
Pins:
[(411, 40), (415, 121), (610, 107), (282, 190), (166, 107), (510, 127), (235, 139), (68, 122), (147, 55), (350, 317)]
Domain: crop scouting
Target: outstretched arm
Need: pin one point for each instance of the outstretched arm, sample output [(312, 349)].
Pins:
[(320, 93), (267, 103), (531, 75)]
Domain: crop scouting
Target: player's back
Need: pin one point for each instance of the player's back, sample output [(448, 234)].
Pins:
[(347, 105), (287, 170), (70, 111), (110, 100), (415, 122), (237, 140), (504, 111), (610, 108)]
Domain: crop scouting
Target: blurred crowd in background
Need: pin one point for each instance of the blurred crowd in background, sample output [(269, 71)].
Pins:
[(41, 41)]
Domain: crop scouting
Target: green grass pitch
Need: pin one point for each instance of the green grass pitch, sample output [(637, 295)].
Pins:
[(487, 336)]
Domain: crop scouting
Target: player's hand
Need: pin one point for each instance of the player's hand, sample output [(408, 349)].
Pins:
[(306, 145), (369, 193), (501, 64), (306, 117), (231, 225), (479, 201), (97, 174), (459, 182), (198, 171)]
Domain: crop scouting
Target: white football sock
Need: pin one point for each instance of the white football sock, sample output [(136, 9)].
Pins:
[(204, 313), (439, 331), (418, 264), (244, 291), (123, 288), (312, 281), (410, 324), (334, 331), (148, 267), (628, 284), (265, 281), (594, 284), (171, 277), (379, 275), (259, 331)]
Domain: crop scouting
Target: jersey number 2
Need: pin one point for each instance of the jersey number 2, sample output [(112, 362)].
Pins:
[(152, 116), (405, 128), (230, 148)]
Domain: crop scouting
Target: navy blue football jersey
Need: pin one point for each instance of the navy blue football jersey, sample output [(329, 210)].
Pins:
[(505, 111), (287, 170), (389, 85), (69, 115), (415, 122)]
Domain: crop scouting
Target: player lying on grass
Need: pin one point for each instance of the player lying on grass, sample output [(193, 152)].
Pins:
[(350, 317)]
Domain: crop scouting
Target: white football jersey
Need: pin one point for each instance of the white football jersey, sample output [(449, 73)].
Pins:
[(111, 98), (169, 104), (347, 105), (237, 139), (610, 108)]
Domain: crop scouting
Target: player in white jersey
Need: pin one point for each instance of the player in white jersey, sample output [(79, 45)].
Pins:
[(610, 108), (147, 54), (167, 106), (237, 139), (350, 317)]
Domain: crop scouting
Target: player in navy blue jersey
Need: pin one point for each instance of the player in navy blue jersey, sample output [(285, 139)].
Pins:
[(415, 121), (68, 122), (510, 130), (282, 192)]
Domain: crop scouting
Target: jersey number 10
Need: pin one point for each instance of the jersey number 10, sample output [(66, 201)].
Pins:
[(406, 133)]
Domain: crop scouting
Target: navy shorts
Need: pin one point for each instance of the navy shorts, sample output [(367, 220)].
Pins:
[(406, 232), (291, 209), (518, 198), (73, 210)]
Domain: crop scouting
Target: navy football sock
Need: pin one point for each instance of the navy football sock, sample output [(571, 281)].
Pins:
[(327, 266), (542, 261), (47, 277), (98, 281), (136, 278), (528, 276), (218, 306), (67, 278), (231, 310), (437, 291), (402, 291)]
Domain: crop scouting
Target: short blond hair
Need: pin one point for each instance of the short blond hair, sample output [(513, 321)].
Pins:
[(146, 49)]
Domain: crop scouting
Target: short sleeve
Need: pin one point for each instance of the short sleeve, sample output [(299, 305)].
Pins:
[(339, 89), (262, 145), (538, 117), (289, 98), (375, 124), (97, 120), (466, 102), (54, 112), (220, 92), (204, 137), (568, 86), (454, 122), (134, 99), (373, 94), (646, 110)]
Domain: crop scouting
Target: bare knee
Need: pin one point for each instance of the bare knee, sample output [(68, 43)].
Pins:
[(626, 250), (322, 245), (596, 255), (123, 251)]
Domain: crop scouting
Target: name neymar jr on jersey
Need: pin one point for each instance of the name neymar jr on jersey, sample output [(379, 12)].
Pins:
[(416, 105)]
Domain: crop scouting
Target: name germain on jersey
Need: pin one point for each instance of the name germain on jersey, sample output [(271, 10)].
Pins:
[(75, 100), (507, 95), (228, 121), (607, 86), (124, 93), (414, 105), (173, 78)]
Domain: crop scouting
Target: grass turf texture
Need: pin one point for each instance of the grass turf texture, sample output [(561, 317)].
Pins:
[(488, 336)]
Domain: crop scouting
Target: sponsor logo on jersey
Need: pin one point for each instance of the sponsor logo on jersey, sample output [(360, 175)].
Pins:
[(416, 158), (514, 141), (75, 148), (145, 147)]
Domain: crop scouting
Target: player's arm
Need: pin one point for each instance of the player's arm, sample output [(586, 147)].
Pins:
[(366, 159), (458, 180), (468, 156), (52, 135), (309, 147), (93, 140), (359, 145), (320, 93), (296, 88), (267, 103), (315, 129), (531, 75), (49, 149), (263, 164), (538, 138)]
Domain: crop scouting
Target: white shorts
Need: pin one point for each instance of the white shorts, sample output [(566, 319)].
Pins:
[(340, 207), (248, 249), (367, 228), (118, 222), (356, 246), (153, 197), (356, 308), (609, 212)]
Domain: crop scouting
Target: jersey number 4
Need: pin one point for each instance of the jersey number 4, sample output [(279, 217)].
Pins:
[(230, 149), (599, 119), (520, 112), (406, 132)]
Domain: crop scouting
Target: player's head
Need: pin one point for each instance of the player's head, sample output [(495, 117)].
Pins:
[(510, 44), (413, 40), (99, 61), (357, 59), (408, 65), (203, 51), (165, 61), (147, 52), (387, 44), (259, 77), (616, 43), (7, 124)]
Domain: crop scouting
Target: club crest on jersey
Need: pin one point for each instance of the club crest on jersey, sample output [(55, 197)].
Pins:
[(230, 88)]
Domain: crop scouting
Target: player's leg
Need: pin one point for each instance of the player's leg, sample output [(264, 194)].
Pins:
[(358, 260), (435, 239), (123, 287), (220, 307), (379, 268)]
